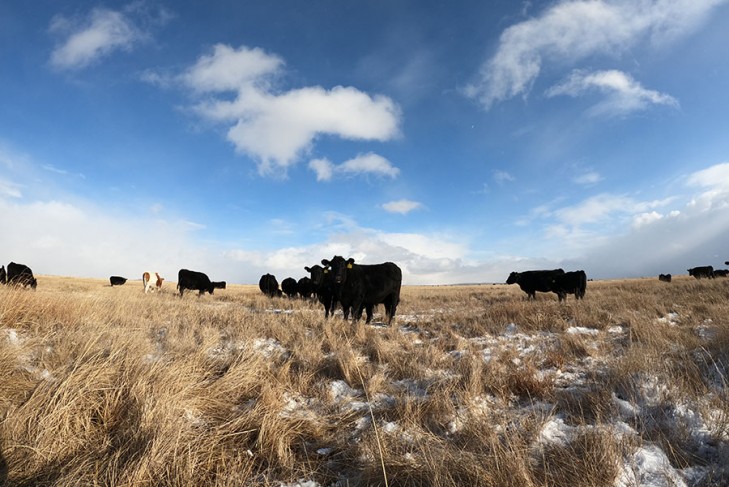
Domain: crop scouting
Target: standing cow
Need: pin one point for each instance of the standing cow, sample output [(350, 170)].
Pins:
[(365, 286), (152, 281), (305, 287), (288, 286), (574, 282), (3, 275), (323, 285), (701, 272), (532, 281), (196, 281), (269, 285), (20, 275), (117, 280), (664, 277)]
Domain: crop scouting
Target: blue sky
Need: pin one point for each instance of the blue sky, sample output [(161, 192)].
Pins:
[(461, 140)]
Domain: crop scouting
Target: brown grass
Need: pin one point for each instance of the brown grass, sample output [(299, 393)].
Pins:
[(109, 386)]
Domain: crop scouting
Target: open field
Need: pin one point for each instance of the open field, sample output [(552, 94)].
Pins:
[(472, 385)]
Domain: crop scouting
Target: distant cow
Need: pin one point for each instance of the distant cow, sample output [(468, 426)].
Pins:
[(532, 281), (359, 286), (21, 275), (269, 285), (288, 286), (152, 281), (664, 277), (196, 281), (323, 285), (3, 275), (305, 287), (117, 281), (721, 273), (706, 271), (574, 282)]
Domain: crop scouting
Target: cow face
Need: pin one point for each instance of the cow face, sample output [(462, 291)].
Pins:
[(317, 273), (339, 268), (513, 277)]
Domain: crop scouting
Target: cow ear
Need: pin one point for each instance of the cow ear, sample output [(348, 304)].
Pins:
[(325, 262), (307, 269), (350, 261)]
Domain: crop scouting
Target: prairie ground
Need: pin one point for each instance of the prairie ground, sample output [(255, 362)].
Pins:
[(471, 385)]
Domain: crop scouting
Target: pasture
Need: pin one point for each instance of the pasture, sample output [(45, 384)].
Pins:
[(471, 385)]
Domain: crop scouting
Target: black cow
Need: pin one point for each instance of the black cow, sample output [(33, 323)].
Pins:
[(574, 282), (196, 281), (3, 275), (117, 281), (706, 271), (305, 287), (323, 285), (721, 273), (269, 285), (288, 286), (365, 286), (532, 281), (664, 277), (21, 275)]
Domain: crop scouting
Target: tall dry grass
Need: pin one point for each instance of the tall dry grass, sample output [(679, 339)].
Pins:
[(109, 386)]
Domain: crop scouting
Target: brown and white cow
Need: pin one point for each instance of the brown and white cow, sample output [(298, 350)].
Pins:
[(151, 280)]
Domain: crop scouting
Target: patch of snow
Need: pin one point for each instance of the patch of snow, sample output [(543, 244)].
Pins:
[(339, 391), (301, 483), (616, 330), (649, 467), (671, 319), (556, 432), (12, 336), (511, 329), (269, 347), (581, 330)]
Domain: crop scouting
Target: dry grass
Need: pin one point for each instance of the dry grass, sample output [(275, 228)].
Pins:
[(108, 386)]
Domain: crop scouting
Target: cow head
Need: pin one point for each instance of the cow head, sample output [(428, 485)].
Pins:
[(339, 268), (513, 277), (317, 273)]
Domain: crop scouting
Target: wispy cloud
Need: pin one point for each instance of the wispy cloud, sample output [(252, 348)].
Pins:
[(502, 177), (402, 206), (9, 189), (363, 164), (86, 40), (588, 178), (278, 127), (624, 94), (570, 31)]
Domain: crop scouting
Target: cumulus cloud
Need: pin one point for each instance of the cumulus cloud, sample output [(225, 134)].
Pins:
[(624, 94), (278, 127), (570, 31), (402, 206), (363, 164), (102, 32)]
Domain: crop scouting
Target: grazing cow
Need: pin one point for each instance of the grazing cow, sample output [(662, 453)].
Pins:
[(196, 281), (664, 277), (269, 285), (3, 275), (721, 273), (288, 286), (323, 285), (151, 281), (305, 287), (365, 286), (117, 281), (574, 282), (532, 281), (21, 275), (706, 271)]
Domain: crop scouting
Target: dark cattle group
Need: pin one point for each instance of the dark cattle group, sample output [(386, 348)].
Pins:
[(553, 280), (196, 281)]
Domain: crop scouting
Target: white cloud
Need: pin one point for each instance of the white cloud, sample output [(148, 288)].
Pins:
[(363, 164), (502, 177), (278, 127), (101, 33), (402, 206), (570, 31), (715, 181), (588, 178), (643, 219), (8, 189), (624, 94)]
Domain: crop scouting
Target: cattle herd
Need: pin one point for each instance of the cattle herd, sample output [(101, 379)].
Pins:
[(356, 288)]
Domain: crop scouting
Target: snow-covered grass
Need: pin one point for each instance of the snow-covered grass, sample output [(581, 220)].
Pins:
[(472, 385)]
